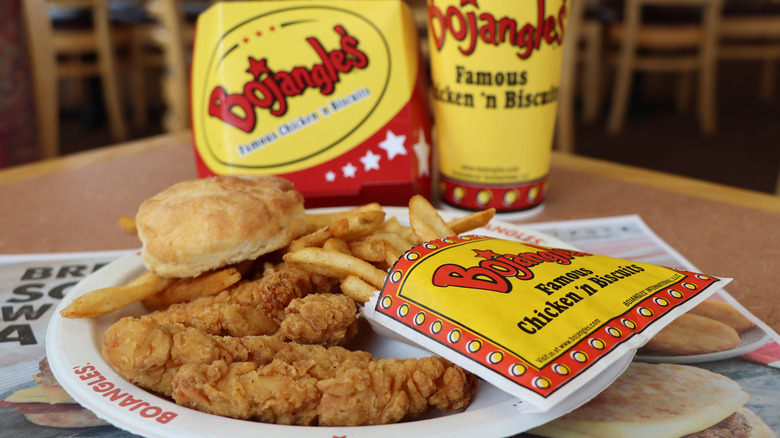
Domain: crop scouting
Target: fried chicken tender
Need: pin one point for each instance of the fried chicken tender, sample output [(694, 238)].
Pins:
[(342, 393), (221, 319), (389, 390), (320, 319), (253, 352), (249, 308), (148, 352), (276, 288)]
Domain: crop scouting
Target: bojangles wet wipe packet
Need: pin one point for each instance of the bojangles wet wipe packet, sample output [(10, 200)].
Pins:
[(537, 322), (328, 94)]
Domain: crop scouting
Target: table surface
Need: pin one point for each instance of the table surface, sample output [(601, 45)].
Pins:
[(72, 204)]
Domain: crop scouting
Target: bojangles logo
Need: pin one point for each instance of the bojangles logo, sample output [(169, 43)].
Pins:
[(269, 89), (474, 26), (493, 272)]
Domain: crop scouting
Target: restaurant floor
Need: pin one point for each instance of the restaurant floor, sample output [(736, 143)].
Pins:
[(745, 151)]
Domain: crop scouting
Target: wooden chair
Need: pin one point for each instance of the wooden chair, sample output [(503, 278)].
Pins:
[(48, 46), (591, 58), (174, 35), (146, 65), (750, 31), (684, 47), (40, 42), (582, 58)]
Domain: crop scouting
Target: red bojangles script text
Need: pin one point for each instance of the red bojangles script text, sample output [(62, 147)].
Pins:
[(493, 272), (471, 27), (113, 394), (269, 90)]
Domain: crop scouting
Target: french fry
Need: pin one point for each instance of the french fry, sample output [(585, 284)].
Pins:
[(370, 250), (357, 289), (391, 225), (394, 227), (355, 224), (345, 228), (360, 224), (322, 220), (392, 254), (425, 220), (472, 221), (335, 264), (210, 283), (315, 238), (127, 224), (339, 227), (380, 246), (399, 242), (338, 245), (110, 299)]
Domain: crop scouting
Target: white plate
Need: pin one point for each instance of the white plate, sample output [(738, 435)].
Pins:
[(73, 344), (751, 340)]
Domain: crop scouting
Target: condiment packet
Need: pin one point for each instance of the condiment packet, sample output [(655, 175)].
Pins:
[(540, 323), (331, 95)]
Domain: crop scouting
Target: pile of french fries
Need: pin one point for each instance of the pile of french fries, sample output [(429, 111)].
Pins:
[(357, 246)]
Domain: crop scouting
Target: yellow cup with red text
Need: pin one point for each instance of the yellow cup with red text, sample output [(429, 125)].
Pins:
[(495, 68)]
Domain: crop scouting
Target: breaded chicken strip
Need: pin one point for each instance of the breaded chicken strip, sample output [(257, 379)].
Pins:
[(248, 308), (301, 392), (277, 287), (323, 319), (147, 352), (389, 390), (222, 319)]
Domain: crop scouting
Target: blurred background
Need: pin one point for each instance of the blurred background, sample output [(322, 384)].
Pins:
[(688, 87)]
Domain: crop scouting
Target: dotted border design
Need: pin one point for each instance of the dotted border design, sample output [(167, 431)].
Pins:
[(472, 196), (560, 371)]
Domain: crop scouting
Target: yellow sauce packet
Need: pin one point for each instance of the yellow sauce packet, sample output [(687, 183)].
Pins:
[(537, 322)]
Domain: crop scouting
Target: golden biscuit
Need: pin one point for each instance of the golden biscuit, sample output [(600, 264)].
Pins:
[(694, 334), (199, 225), (725, 313)]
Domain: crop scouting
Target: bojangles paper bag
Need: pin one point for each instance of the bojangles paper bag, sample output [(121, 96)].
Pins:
[(538, 322), (329, 94)]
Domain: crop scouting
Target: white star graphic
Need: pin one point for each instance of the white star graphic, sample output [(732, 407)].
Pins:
[(349, 170), (423, 150), (330, 176), (393, 145), (370, 161)]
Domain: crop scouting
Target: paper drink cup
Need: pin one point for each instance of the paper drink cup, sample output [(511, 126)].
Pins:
[(495, 70)]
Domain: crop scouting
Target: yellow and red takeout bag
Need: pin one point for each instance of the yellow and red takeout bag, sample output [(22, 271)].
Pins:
[(328, 94), (535, 321)]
